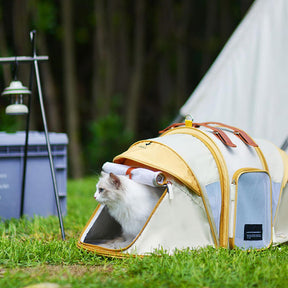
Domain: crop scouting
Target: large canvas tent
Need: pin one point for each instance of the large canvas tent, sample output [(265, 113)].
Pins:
[(247, 85)]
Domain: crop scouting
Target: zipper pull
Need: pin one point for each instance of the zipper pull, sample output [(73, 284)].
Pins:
[(170, 190), (231, 228)]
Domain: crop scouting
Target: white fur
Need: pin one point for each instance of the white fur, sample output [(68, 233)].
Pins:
[(129, 202)]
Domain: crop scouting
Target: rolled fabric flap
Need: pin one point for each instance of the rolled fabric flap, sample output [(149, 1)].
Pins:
[(140, 175), (117, 169)]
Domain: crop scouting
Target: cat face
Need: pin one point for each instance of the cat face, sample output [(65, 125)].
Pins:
[(109, 189)]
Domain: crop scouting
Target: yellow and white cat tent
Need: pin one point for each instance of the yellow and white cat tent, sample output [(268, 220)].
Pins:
[(222, 189)]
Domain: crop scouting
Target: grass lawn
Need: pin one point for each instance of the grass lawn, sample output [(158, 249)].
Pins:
[(32, 252)]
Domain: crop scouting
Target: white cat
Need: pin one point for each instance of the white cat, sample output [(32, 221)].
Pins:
[(128, 202)]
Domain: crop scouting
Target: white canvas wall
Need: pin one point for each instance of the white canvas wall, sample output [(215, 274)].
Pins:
[(247, 86)]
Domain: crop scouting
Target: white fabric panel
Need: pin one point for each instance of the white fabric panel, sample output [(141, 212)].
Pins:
[(247, 85), (273, 159), (176, 224), (196, 155), (280, 225)]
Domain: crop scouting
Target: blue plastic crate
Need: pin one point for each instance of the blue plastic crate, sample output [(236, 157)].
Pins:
[(39, 192)]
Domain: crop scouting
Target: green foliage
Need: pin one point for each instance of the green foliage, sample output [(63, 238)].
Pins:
[(107, 138), (32, 252), (106, 57), (10, 123), (45, 18)]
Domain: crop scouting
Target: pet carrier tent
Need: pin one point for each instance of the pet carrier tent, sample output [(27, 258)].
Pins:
[(221, 189)]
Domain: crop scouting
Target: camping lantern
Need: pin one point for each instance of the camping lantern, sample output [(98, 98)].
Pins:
[(16, 91)]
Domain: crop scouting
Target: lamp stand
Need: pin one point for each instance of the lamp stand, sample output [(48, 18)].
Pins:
[(34, 68)]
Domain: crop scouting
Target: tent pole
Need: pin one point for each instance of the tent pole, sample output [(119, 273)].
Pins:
[(27, 135), (47, 139)]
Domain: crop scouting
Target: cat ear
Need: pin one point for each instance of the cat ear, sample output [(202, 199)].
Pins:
[(115, 180), (103, 173)]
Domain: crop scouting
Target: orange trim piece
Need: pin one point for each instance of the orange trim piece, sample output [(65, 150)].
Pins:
[(129, 170), (171, 126)]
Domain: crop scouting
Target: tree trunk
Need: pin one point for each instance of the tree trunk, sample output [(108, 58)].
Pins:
[(182, 53), (244, 6), (49, 87), (4, 51), (103, 78), (225, 21), (21, 36), (210, 29), (72, 112), (137, 73), (122, 51), (22, 47), (166, 86)]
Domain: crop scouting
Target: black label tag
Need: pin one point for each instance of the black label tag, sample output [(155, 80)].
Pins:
[(253, 232)]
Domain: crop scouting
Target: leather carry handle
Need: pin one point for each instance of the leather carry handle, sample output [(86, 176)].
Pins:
[(238, 132), (220, 134)]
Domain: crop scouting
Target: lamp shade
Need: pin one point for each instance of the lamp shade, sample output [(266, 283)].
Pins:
[(16, 87), (16, 109)]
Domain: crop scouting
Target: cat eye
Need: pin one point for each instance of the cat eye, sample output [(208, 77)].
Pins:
[(101, 190)]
